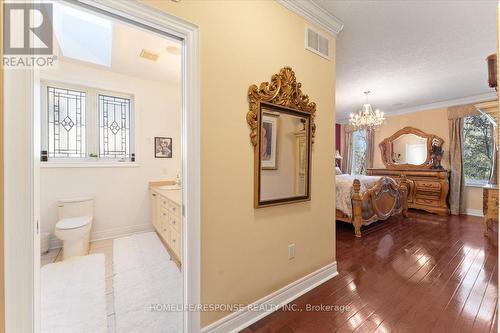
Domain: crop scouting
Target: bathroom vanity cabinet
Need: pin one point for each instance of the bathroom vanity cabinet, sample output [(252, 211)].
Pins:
[(166, 215)]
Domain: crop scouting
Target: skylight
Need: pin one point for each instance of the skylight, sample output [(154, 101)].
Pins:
[(83, 36)]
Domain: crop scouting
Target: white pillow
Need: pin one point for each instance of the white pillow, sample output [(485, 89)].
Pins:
[(338, 171)]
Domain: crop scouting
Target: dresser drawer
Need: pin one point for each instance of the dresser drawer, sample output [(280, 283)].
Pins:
[(427, 194), (430, 185), (427, 201)]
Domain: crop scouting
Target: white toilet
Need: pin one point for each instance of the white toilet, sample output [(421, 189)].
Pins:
[(73, 227)]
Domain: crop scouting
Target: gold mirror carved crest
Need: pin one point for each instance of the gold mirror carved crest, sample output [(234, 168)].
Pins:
[(282, 129)]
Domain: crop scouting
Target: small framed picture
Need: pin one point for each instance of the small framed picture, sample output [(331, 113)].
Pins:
[(269, 142), (163, 147)]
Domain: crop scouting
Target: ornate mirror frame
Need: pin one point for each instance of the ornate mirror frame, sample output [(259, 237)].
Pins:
[(283, 94), (385, 148)]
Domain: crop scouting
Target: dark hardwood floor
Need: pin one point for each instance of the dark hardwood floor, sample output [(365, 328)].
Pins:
[(426, 273)]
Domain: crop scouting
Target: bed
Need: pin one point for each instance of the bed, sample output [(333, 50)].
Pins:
[(362, 200)]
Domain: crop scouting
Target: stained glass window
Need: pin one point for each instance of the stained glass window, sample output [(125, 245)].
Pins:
[(114, 127), (66, 122)]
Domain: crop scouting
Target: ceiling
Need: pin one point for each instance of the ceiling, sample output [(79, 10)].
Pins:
[(128, 42), (412, 54), (85, 44)]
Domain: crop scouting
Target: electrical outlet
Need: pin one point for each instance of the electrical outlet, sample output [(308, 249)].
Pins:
[(291, 251)]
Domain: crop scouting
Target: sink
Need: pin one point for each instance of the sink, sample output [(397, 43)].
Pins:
[(170, 187)]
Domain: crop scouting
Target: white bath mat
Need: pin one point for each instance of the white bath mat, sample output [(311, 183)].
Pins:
[(73, 296), (145, 277)]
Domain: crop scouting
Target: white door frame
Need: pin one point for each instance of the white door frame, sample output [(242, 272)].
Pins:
[(21, 232)]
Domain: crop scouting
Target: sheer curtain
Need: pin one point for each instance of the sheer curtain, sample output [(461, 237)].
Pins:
[(370, 148), (346, 149)]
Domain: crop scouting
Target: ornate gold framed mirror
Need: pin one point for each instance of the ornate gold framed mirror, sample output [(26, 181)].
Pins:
[(281, 121), (409, 148)]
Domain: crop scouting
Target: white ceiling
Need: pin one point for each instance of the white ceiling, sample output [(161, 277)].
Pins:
[(411, 53), (127, 43)]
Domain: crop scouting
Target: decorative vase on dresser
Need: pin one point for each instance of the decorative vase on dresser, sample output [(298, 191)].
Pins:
[(415, 156)]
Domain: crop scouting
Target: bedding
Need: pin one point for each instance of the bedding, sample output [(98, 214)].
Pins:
[(344, 190)]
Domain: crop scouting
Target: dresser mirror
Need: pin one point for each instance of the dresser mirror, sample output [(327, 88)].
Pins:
[(409, 148), (281, 121)]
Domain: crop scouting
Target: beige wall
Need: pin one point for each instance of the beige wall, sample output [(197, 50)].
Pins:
[(432, 122), (244, 250)]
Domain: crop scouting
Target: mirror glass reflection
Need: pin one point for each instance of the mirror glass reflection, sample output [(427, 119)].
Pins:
[(409, 149), (284, 153)]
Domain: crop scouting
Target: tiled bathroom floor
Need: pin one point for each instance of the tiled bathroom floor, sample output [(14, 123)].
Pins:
[(105, 247)]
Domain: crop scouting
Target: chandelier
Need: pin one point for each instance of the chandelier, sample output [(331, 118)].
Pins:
[(366, 118)]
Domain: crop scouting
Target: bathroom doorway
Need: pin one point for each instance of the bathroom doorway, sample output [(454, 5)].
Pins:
[(115, 172)]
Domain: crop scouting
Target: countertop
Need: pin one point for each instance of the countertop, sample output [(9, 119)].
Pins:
[(173, 195)]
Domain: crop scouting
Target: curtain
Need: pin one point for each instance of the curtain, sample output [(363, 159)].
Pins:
[(494, 168), (457, 200), (346, 149), (370, 148), (461, 111)]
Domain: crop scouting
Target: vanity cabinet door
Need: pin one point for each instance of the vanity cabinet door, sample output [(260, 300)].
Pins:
[(154, 208), (175, 222), (164, 225), (175, 242)]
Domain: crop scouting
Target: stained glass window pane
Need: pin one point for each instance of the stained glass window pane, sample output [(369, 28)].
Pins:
[(66, 115), (114, 127)]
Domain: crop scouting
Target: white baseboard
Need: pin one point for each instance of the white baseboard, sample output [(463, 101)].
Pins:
[(56, 243), (239, 320), (474, 212)]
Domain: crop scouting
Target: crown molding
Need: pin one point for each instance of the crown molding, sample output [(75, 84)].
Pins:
[(442, 104), (314, 14)]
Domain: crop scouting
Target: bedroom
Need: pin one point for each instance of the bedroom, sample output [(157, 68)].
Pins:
[(418, 162)]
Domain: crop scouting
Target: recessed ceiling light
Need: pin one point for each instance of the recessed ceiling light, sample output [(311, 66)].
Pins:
[(173, 50), (149, 55)]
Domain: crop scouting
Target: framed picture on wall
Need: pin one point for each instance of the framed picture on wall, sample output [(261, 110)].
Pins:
[(269, 139), (163, 147)]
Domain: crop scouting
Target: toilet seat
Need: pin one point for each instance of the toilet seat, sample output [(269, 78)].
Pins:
[(73, 222)]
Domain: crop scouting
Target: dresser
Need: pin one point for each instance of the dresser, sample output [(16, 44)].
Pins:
[(490, 210), (427, 188), (167, 219)]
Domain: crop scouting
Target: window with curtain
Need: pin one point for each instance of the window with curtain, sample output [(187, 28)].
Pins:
[(477, 149), (358, 166)]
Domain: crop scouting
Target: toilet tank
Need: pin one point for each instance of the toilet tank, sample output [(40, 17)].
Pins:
[(75, 207)]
